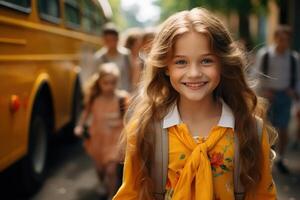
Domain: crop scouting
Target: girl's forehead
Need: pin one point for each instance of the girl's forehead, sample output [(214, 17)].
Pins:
[(109, 77), (192, 42)]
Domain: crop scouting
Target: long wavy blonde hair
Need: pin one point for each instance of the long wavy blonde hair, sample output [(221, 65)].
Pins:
[(156, 96)]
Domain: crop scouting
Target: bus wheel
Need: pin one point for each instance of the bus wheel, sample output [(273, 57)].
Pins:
[(34, 164)]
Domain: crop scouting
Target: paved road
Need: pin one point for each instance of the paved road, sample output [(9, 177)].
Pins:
[(71, 176), (288, 186)]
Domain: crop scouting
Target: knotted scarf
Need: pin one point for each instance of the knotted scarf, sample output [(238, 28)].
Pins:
[(196, 181)]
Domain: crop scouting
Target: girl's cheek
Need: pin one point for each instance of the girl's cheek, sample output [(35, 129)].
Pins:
[(100, 86)]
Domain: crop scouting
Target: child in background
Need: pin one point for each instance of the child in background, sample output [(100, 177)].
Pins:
[(133, 42), (103, 112), (194, 86), (147, 38)]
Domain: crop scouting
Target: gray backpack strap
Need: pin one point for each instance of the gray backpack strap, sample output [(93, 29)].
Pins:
[(159, 168), (239, 191)]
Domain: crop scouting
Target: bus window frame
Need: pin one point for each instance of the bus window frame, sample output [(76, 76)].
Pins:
[(69, 24), (47, 17), (88, 15), (16, 7), (99, 23)]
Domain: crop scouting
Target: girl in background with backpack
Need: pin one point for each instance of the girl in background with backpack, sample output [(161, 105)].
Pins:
[(103, 114), (195, 89)]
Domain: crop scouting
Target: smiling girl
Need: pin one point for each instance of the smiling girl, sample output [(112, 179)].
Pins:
[(194, 86)]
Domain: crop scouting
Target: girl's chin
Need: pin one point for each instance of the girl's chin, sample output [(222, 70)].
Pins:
[(195, 97), (108, 93)]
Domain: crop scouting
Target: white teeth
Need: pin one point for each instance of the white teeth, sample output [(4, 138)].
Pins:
[(194, 84)]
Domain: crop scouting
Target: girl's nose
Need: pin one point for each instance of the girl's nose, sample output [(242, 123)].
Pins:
[(194, 70)]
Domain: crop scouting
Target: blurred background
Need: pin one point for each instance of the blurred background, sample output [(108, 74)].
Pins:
[(252, 20), (47, 50)]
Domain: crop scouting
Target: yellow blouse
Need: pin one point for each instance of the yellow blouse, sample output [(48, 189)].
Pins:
[(199, 169)]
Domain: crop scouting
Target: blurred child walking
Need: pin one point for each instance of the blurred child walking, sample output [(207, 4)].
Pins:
[(103, 113)]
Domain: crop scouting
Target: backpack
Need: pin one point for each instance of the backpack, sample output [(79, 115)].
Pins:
[(293, 78), (159, 168)]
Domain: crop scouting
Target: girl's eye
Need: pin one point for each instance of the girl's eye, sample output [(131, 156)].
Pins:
[(180, 62), (207, 61)]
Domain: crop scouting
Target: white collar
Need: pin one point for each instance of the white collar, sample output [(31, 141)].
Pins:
[(226, 120)]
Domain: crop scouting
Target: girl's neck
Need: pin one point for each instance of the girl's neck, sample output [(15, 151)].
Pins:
[(196, 111), (108, 96), (280, 50), (112, 52)]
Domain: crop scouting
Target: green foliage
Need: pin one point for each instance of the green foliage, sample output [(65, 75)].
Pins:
[(169, 7), (127, 18), (242, 7), (117, 18), (130, 16)]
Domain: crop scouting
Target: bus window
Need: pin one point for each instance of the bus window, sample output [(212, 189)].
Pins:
[(87, 18), (92, 18), (20, 5), (99, 21), (49, 10), (72, 14)]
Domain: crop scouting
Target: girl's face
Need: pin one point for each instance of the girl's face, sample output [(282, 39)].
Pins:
[(136, 45), (108, 84), (194, 69), (111, 41)]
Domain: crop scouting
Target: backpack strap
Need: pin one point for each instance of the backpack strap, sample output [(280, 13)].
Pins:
[(293, 73), (265, 63), (122, 106), (159, 168), (239, 191)]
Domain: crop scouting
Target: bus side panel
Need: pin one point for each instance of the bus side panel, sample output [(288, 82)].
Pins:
[(18, 79), (61, 74), (24, 79), (28, 49)]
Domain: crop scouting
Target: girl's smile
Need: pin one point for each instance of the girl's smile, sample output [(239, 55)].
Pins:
[(194, 85)]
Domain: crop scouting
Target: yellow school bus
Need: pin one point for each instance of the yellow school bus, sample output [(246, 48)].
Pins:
[(43, 43)]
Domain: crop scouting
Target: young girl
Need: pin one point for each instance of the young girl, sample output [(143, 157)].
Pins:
[(104, 108), (194, 85)]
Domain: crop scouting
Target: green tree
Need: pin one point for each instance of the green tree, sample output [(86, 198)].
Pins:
[(169, 7), (242, 7), (118, 17)]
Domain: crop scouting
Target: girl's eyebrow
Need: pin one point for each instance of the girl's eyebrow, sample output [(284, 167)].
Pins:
[(180, 56), (208, 54)]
